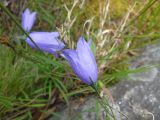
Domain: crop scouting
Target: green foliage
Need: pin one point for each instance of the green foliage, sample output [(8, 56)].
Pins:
[(14, 77), (28, 83)]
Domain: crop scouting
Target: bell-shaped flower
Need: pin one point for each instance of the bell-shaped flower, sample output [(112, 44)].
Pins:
[(28, 19), (46, 41), (82, 61)]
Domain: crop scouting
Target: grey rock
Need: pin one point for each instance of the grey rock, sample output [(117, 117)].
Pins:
[(149, 58), (90, 109), (138, 98), (148, 75)]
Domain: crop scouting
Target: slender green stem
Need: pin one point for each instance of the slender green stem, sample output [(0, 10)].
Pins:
[(103, 103), (17, 23)]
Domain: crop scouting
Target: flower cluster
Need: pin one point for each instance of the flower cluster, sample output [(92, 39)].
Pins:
[(81, 60), (46, 41)]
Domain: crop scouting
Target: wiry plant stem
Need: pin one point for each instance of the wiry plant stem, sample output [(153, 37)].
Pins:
[(17, 23), (104, 103)]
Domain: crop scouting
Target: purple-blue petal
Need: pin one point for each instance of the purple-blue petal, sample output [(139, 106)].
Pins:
[(87, 58), (31, 21), (83, 62), (28, 20), (72, 57), (46, 41)]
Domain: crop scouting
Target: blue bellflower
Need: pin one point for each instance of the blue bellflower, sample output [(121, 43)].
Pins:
[(28, 19), (46, 41), (82, 61)]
